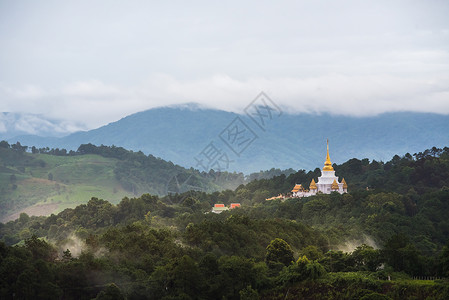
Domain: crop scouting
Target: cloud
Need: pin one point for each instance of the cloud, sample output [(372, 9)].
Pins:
[(2, 127), (89, 89), (25, 123), (95, 103), (66, 61), (25, 92)]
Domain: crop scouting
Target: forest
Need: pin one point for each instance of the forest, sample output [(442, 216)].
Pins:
[(65, 179), (385, 239)]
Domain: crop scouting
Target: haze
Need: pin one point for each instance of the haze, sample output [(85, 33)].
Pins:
[(93, 62)]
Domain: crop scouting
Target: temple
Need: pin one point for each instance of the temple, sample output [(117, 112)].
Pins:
[(326, 184)]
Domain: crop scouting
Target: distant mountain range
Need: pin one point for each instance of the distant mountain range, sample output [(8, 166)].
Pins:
[(204, 138)]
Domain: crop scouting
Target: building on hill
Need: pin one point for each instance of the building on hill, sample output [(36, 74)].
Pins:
[(326, 184), (219, 208), (298, 189)]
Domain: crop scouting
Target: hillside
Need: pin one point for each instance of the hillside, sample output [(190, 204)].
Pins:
[(180, 134), (50, 180), (394, 235), (42, 183)]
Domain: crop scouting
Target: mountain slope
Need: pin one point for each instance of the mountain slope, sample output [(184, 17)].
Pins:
[(180, 134), (42, 183)]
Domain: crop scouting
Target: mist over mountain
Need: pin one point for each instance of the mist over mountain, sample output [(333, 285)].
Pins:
[(17, 124), (186, 134)]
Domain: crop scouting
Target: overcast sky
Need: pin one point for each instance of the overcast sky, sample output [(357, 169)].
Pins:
[(94, 62)]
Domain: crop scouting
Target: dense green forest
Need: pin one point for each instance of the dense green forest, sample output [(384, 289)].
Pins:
[(55, 179), (393, 222)]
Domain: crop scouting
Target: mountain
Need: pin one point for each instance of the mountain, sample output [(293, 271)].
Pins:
[(184, 134)]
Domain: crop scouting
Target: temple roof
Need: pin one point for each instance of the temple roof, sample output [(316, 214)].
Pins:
[(297, 188), (345, 186), (312, 185)]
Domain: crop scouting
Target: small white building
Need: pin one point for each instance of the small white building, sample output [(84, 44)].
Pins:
[(326, 184), (219, 208)]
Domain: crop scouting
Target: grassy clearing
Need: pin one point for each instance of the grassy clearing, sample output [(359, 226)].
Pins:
[(39, 179)]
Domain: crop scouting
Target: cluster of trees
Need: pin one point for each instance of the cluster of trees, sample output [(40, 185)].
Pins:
[(378, 213), (171, 248), (45, 150), (229, 254), (424, 171), (136, 261)]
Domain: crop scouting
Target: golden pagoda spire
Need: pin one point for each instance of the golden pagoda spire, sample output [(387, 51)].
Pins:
[(334, 185), (345, 186), (327, 163), (312, 185)]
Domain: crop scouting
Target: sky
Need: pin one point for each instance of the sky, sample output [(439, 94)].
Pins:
[(93, 62)]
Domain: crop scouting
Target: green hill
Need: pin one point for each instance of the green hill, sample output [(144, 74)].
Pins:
[(53, 183), (44, 183), (172, 247), (47, 180)]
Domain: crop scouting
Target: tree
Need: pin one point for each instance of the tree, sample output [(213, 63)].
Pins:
[(236, 273), (249, 293), (337, 261), (314, 270), (24, 218), (4, 144), (40, 249), (303, 269), (366, 258), (312, 252), (279, 251), (444, 261), (18, 147), (66, 255), (181, 276), (112, 292), (26, 284), (186, 276), (25, 233), (400, 254)]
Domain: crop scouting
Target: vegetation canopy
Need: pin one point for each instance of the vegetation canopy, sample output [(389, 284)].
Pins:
[(387, 239)]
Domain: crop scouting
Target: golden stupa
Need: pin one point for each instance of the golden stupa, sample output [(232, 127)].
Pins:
[(327, 163)]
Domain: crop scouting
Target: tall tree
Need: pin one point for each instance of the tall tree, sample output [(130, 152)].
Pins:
[(279, 251)]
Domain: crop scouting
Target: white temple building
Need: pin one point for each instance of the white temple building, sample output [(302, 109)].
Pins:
[(326, 184)]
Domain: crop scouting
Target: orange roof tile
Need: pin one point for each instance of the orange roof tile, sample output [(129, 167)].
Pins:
[(297, 188)]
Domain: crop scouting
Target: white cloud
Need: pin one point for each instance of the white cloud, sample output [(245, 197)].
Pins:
[(89, 89), (96, 103), (2, 127), (25, 92), (94, 62)]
